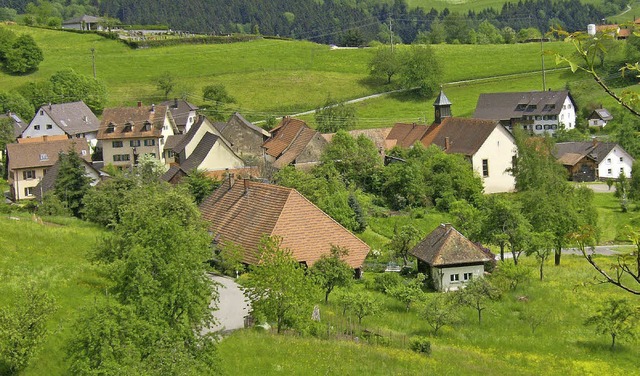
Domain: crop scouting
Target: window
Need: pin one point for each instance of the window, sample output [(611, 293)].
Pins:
[(622, 170), (49, 126), (538, 127), (609, 172), (485, 168), (547, 126), (162, 141), (134, 143), (467, 276), (116, 144), (83, 152), (621, 159), (28, 191), (150, 142), (455, 277), (36, 127), (29, 174), (121, 157), (44, 157), (41, 112), (538, 117), (111, 128), (521, 107), (153, 155), (169, 154), (44, 171), (127, 127), (608, 160), (146, 127)]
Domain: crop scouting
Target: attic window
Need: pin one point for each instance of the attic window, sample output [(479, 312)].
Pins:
[(146, 127), (44, 157), (521, 107), (531, 107), (549, 107), (111, 128), (127, 127)]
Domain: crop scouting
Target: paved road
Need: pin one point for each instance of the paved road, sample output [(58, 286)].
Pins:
[(604, 250), (232, 307)]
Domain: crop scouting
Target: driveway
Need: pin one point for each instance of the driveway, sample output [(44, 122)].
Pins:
[(232, 307)]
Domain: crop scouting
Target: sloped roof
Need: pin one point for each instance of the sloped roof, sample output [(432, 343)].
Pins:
[(137, 117), (83, 18), (188, 137), (248, 210), (445, 246), (283, 135), (297, 146), (43, 154), (180, 110), (236, 118), (172, 141), (49, 179), (405, 135), (73, 117), (465, 135), (200, 152), (595, 150), (18, 125), (506, 106), (442, 100), (570, 159), (377, 135), (173, 170), (601, 113)]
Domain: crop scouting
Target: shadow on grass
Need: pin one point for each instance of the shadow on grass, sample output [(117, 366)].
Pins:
[(600, 346)]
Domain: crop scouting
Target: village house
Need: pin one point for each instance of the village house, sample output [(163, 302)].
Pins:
[(292, 142), (126, 133), (244, 137), (243, 212), (83, 22), (29, 160), (73, 119), (48, 182), (487, 145), (184, 113), (536, 112), (449, 259), (599, 117), (202, 148), (590, 161)]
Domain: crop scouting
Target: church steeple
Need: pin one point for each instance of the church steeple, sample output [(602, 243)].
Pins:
[(442, 107)]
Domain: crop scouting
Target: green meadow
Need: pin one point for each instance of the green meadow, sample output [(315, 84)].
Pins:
[(463, 6), (278, 77)]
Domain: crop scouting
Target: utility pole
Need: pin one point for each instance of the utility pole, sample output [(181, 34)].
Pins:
[(93, 60), (390, 34), (544, 80)]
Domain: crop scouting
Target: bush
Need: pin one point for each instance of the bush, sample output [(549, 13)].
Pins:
[(386, 281), (52, 206), (420, 345)]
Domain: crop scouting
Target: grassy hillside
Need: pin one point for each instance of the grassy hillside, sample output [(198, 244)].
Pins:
[(463, 6), (265, 76)]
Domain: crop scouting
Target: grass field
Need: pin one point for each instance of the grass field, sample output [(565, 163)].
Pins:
[(268, 76), (463, 6)]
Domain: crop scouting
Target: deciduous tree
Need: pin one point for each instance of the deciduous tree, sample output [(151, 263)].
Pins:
[(24, 55), (409, 292), (334, 116), (403, 239), (440, 310), (331, 271), (384, 63), (420, 68), (617, 318), (165, 83), (477, 294)]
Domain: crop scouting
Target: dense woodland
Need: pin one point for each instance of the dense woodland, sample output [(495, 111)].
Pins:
[(339, 22)]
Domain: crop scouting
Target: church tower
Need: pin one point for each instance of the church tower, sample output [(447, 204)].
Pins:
[(442, 107)]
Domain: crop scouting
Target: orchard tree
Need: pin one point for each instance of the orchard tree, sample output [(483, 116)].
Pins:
[(200, 185), (166, 83), (617, 318), (409, 292), (218, 96), (332, 271), (477, 294), (334, 116), (277, 286), (23, 327), (540, 245), (420, 68), (384, 63), (440, 310), (403, 239), (24, 55), (363, 304)]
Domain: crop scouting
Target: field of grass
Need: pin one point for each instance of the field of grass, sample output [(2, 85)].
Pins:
[(611, 219), (504, 344), (463, 6), (264, 76), (53, 255)]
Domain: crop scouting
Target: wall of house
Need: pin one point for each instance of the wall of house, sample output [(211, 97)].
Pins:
[(18, 184), (108, 151), (313, 150), (42, 121), (615, 162), (597, 123), (244, 140), (567, 116), (221, 157), (167, 130), (499, 150), (442, 276)]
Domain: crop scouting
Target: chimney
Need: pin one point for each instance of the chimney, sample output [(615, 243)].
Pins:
[(44, 138), (49, 106), (175, 102), (246, 187), (230, 179), (139, 104), (153, 108), (447, 143), (594, 141), (85, 118)]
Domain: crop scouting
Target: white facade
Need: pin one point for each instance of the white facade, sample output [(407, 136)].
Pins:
[(221, 157), (540, 124), (453, 278), (493, 159), (614, 163), (43, 125)]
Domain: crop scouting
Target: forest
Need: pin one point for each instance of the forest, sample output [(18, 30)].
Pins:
[(331, 21)]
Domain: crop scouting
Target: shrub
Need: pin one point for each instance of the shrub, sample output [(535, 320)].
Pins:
[(420, 345), (386, 281)]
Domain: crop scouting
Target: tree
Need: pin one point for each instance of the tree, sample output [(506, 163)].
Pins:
[(165, 83), (149, 169), (440, 311), (500, 214), (24, 55), (420, 68), (16, 103), (540, 245), (617, 318), (634, 182), (230, 258), (334, 116), (331, 271), (23, 327), (69, 86), (409, 292), (508, 275), (277, 286), (363, 304), (200, 185), (217, 94), (622, 191), (72, 183), (477, 294), (6, 136), (102, 204), (7, 38), (402, 241), (384, 63)]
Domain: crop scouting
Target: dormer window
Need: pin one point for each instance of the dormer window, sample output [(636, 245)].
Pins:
[(127, 128), (531, 107), (111, 128), (146, 127), (44, 157), (521, 107)]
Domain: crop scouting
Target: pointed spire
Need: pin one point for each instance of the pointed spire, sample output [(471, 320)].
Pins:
[(442, 107), (442, 99)]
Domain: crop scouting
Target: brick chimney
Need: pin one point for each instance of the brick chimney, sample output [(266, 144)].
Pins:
[(594, 141), (447, 143), (175, 102)]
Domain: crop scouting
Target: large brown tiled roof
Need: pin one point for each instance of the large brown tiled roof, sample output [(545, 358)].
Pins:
[(283, 135), (465, 136), (43, 154), (297, 146), (377, 135), (595, 150), (507, 106), (73, 117), (135, 116), (446, 246), (248, 210), (405, 135)]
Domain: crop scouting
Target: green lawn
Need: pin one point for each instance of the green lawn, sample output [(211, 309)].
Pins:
[(611, 219)]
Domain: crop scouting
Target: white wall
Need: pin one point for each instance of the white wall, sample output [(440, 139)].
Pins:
[(42, 119), (499, 149), (221, 157), (442, 276), (610, 166)]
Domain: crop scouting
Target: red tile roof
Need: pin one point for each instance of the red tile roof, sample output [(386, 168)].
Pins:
[(446, 246), (137, 118), (44, 154), (248, 210), (283, 135), (405, 135), (464, 136)]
